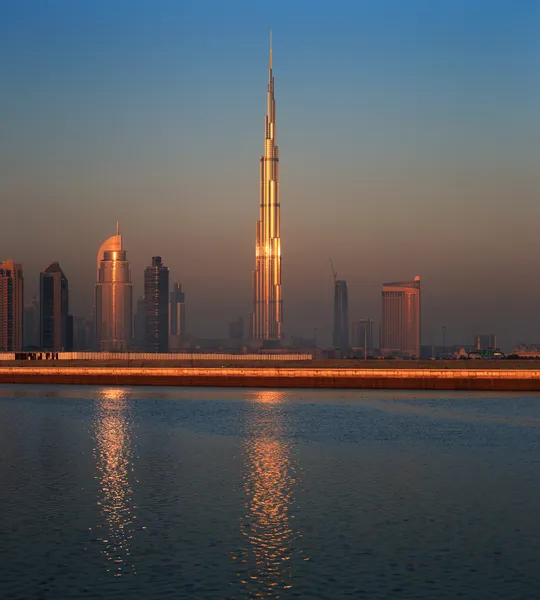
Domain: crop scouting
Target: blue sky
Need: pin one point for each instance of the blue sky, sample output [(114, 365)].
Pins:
[(409, 138)]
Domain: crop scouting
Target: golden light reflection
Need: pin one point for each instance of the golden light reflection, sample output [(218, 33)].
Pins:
[(269, 484), (113, 454)]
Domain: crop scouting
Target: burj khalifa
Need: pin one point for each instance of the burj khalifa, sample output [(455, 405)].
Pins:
[(267, 298)]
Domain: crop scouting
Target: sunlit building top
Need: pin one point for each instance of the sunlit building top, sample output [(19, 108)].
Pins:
[(113, 302)]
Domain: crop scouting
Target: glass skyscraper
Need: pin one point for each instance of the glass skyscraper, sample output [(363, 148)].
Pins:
[(11, 306), (156, 306), (54, 310)]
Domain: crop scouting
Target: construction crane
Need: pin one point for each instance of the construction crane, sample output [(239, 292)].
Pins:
[(334, 272)]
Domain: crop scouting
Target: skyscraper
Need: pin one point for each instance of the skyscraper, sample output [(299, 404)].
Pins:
[(267, 294), (341, 314), (83, 333), (236, 330), (177, 311), (139, 326), (156, 306), (362, 334), (400, 325), (31, 324), (483, 341), (11, 306), (54, 314), (113, 301)]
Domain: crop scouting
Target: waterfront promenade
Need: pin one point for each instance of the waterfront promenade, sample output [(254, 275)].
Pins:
[(426, 375)]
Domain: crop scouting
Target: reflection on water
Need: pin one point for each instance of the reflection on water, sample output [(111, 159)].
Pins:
[(114, 454), (269, 482)]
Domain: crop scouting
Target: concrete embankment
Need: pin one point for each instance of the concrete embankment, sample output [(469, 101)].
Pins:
[(285, 377)]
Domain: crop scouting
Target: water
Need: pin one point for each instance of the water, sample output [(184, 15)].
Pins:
[(215, 493)]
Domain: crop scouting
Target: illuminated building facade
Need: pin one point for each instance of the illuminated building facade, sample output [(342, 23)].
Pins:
[(483, 341), (267, 293), (400, 325), (156, 306), (54, 319), (11, 306), (341, 315), (113, 301)]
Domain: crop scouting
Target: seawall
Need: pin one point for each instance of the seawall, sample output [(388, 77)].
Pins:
[(283, 377)]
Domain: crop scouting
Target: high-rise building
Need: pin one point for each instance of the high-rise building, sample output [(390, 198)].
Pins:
[(485, 341), (113, 301), (362, 334), (267, 313), (401, 317), (340, 338), (156, 306), (54, 328), (177, 311), (31, 324), (236, 330), (139, 324), (11, 306), (83, 333)]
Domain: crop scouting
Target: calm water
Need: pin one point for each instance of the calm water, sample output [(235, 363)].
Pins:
[(210, 493)]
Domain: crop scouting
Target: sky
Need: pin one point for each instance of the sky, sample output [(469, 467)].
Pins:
[(409, 135)]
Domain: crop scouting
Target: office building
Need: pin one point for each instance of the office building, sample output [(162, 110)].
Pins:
[(83, 334), (340, 338), (267, 313), (139, 325), (11, 306), (485, 341), (401, 317), (236, 330), (113, 300), (56, 331), (177, 311), (31, 325), (156, 306), (362, 334)]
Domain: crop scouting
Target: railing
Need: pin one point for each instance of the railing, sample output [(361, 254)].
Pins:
[(150, 356)]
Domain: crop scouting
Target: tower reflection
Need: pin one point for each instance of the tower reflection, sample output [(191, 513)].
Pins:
[(113, 453), (269, 483)]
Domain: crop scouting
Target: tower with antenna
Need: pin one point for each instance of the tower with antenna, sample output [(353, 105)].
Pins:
[(267, 314)]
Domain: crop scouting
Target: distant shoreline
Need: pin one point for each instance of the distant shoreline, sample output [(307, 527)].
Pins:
[(439, 376)]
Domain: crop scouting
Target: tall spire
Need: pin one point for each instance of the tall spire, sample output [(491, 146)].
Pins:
[(267, 293), (270, 49), (117, 228)]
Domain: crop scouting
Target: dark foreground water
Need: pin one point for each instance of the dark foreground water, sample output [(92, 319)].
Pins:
[(209, 493)]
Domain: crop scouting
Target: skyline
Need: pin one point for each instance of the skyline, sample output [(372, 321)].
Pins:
[(425, 172)]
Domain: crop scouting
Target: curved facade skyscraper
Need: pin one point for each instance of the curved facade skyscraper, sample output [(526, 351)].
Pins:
[(267, 298), (113, 301)]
